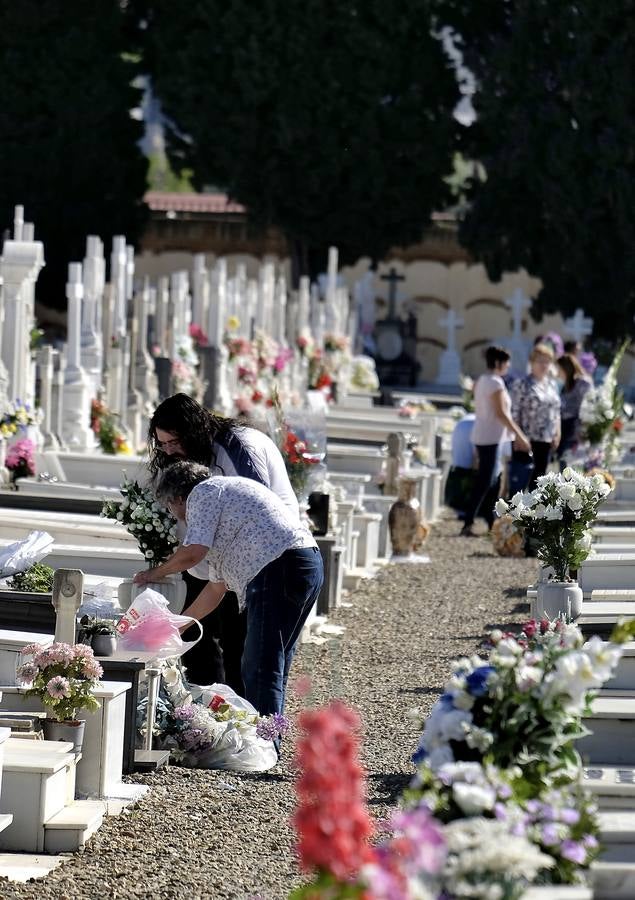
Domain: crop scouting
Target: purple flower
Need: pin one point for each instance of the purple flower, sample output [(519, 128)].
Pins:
[(573, 851), (272, 727), (184, 713), (549, 835), (569, 816), (590, 842), (500, 811)]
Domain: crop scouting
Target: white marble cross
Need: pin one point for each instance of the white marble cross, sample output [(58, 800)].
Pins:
[(518, 303), (579, 326), (451, 321)]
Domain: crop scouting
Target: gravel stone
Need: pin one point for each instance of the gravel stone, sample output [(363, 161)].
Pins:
[(212, 834)]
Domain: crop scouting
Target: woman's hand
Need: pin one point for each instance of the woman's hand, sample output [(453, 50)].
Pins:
[(521, 443), (144, 577)]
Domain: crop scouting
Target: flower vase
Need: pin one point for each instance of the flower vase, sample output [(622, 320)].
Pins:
[(104, 644), (172, 587), (70, 731), (558, 598)]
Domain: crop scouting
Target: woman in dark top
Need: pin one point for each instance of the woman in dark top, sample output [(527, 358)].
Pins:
[(576, 384)]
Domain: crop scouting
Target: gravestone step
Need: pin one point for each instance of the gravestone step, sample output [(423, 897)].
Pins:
[(615, 595), (150, 760), (612, 724), (614, 879), (70, 828), (558, 892), (624, 678), (607, 570), (23, 867), (617, 829), (613, 534), (610, 609), (612, 786)]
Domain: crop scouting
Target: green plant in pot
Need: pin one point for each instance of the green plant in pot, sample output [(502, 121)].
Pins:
[(101, 634), (64, 678)]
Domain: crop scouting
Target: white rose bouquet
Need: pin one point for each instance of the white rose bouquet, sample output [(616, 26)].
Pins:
[(149, 522), (557, 515)]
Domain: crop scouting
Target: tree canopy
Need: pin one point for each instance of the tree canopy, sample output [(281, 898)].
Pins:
[(69, 143), (556, 134), (330, 119)]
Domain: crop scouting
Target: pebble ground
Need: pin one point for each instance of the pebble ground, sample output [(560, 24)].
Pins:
[(211, 834)]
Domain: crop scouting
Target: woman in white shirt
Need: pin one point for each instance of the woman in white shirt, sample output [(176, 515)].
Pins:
[(181, 428), (493, 426), (254, 547)]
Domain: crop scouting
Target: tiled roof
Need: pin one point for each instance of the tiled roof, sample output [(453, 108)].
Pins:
[(167, 201)]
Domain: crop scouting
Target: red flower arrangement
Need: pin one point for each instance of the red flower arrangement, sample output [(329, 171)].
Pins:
[(297, 459), (332, 820)]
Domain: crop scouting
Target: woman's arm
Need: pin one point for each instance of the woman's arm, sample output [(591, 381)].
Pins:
[(207, 601), (182, 559), (508, 422)]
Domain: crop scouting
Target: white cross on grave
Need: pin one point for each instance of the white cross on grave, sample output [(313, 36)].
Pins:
[(579, 326), (518, 303), (451, 321)]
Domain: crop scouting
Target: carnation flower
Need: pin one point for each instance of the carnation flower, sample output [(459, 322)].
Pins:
[(58, 687)]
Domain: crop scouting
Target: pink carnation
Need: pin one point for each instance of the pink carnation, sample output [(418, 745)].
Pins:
[(27, 672), (59, 687)]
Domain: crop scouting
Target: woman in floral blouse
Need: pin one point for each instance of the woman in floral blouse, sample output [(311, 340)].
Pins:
[(536, 409)]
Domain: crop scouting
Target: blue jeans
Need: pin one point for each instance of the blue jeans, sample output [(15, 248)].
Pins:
[(279, 600)]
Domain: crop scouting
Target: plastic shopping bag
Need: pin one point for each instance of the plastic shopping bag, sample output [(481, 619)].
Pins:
[(21, 555), (148, 626)]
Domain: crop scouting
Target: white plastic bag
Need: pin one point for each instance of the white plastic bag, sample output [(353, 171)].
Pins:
[(240, 750), (21, 555), (148, 626)]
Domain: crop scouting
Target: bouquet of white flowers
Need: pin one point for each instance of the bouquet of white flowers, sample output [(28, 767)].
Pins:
[(522, 707), (603, 406), (557, 515), (145, 519)]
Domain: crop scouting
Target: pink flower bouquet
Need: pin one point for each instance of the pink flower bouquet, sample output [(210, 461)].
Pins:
[(63, 676)]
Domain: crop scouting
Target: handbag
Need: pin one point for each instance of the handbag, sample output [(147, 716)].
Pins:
[(521, 467), (458, 488)]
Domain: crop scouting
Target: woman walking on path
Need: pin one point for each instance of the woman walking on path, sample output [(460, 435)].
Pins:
[(183, 429), (256, 549), (576, 384), (493, 426), (536, 408)]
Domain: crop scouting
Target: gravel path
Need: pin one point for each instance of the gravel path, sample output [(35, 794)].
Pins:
[(201, 834)]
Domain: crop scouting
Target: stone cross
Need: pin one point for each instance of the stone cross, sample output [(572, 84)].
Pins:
[(393, 278), (94, 275), (518, 303), (579, 326), (46, 367), (451, 321), (200, 291), (217, 304), (304, 303), (76, 395), (118, 277)]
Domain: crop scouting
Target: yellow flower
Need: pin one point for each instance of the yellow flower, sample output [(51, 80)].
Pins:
[(233, 323), (13, 428), (125, 448)]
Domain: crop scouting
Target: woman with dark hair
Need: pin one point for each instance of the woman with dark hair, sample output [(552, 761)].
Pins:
[(255, 548), (493, 426), (576, 384), (183, 429)]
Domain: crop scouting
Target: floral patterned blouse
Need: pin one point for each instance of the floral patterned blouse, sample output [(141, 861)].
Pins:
[(245, 525), (536, 408)]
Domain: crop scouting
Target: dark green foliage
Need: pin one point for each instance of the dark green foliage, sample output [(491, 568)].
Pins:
[(37, 579), (69, 151), (331, 120), (556, 134)]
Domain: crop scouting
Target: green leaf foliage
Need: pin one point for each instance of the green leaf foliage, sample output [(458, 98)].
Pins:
[(330, 120), (555, 132), (69, 151)]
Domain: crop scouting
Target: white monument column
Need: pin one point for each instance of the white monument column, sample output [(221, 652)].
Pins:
[(200, 291), (46, 366), (450, 364), (76, 397), (20, 265), (517, 345), (92, 349)]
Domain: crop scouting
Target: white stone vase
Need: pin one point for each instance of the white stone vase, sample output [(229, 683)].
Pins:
[(172, 587), (558, 598)]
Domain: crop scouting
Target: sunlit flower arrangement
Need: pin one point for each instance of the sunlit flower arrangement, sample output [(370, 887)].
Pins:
[(17, 418), (557, 515), (62, 676), (103, 423), (20, 459), (524, 705), (603, 407), (145, 519)]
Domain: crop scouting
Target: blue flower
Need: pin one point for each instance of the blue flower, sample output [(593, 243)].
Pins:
[(476, 681), (419, 755), (446, 701)]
